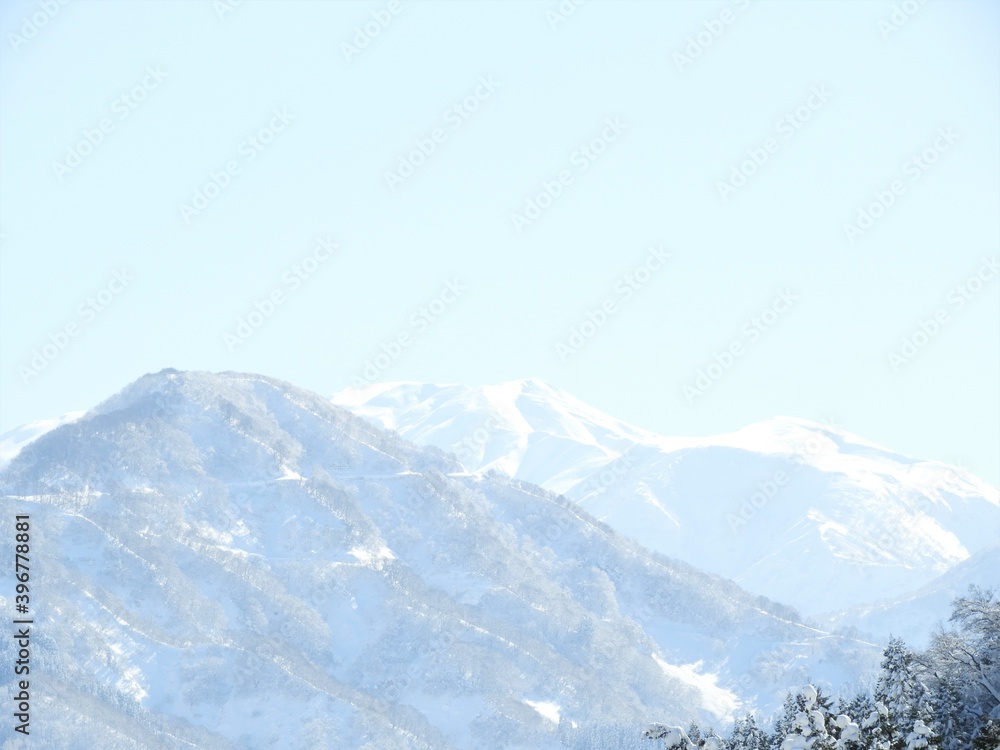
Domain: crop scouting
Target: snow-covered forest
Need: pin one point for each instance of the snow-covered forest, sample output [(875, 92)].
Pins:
[(944, 698), (233, 563)]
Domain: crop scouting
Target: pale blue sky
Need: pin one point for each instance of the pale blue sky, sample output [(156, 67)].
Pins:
[(682, 128)]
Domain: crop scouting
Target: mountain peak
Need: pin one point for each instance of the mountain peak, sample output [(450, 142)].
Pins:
[(215, 534), (193, 413), (802, 489)]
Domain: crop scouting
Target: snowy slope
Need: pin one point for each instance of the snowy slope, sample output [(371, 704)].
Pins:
[(802, 513), (915, 615), (526, 428), (13, 441), (230, 562)]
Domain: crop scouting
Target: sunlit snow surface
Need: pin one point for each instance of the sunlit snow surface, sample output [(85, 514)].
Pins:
[(230, 561), (716, 699), (803, 513), (13, 441)]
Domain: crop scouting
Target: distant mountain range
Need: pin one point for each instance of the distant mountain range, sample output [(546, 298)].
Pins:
[(802, 513), (915, 615), (228, 561)]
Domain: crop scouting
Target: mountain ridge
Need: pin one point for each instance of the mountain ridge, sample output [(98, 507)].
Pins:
[(867, 515), (235, 561)]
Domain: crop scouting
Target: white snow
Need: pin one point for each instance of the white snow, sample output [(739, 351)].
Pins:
[(716, 699), (803, 513), (235, 596), (546, 709), (14, 441), (369, 557)]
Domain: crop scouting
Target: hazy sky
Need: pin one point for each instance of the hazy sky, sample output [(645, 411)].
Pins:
[(743, 209)]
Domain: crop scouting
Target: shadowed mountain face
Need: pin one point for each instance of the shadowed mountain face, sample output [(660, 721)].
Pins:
[(227, 561), (797, 511)]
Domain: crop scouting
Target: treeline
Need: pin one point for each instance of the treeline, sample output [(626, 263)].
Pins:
[(944, 698)]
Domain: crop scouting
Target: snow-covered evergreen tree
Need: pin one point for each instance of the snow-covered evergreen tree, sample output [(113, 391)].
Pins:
[(783, 725), (965, 664), (857, 710), (950, 720), (919, 737), (746, 735), (847, 732), (857, 707), (987, 737), (947, 698), (674, 738), (694, 732), (810, 729), (876, 728), (902, 693)]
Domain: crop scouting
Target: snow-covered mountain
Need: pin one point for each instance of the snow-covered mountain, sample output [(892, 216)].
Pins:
[(13, 441), (917, 614), (797, 511), (227, 561)]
